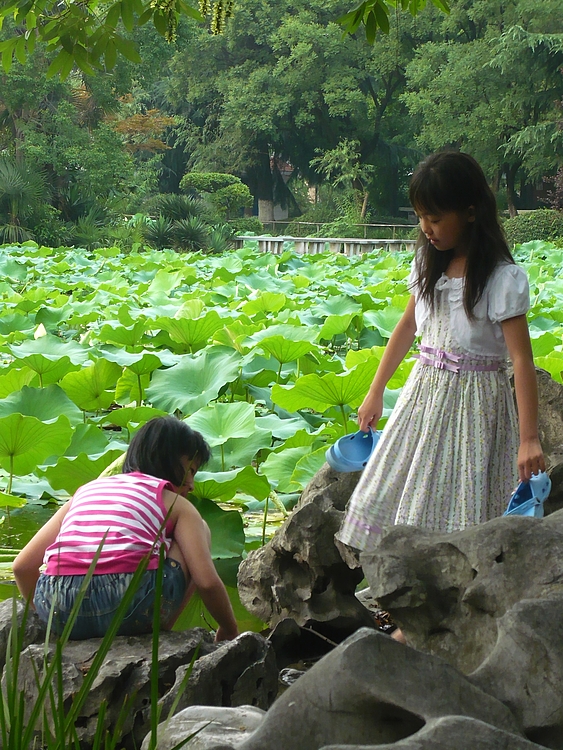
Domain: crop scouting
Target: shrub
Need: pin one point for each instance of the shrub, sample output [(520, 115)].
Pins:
[(158, 232), (191, 234), (247, 225), (543, 224)]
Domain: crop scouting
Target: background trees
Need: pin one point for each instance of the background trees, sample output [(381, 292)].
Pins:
[(281, 92)]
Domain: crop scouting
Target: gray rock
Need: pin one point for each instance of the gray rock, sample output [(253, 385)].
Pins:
[(240, 672), (227, 726), (231, 673), (300, 572), (372, 690), (452, 732), (34, 629), (489, 600)]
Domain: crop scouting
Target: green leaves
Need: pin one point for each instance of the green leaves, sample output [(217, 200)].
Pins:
[(374, 15)]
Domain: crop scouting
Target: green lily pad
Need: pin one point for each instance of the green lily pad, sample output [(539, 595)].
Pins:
[(239, 452), (219, 422), (93, 388), (227, 530), (71, 472), (25, 442), (266, 302), (321, 392), (279, 468), (46, 404), (307, 467), (384, 320), (194, 333), (15, 379), (195, 381), (225, 484)]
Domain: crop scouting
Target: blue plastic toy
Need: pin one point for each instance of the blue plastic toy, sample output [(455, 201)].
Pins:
[(352, 452), (529, 497)]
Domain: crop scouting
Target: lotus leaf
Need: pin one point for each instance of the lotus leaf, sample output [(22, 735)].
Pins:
[(225, 484), (267, 302), (70, 472), (307, 467), (227, 531), (282, 429), (195, 333), (321, 392), (11, 501), (46, 404), (124, 335), (544, 344), (384, 320), (279, 468), (239, 452), (219, 422), (337, 305), (285, 350), (164, 281), (93, 388), (14, 379), (131, 415), (334, 325), (25, 442), (195, 381)]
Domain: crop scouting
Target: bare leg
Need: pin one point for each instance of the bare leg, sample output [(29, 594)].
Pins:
[(175, 554)]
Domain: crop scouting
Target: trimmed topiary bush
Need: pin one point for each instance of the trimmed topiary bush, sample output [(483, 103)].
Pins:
[(543, 224)]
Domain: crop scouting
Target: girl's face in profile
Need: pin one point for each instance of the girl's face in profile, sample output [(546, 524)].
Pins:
[(446, 230), (190, 467)]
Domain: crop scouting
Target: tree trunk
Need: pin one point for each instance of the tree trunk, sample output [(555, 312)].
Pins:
[(510, 173)]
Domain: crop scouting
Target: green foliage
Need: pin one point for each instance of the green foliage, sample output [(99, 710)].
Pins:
[(247, 225), (159, 232), (544, 224), (190, 234), (227, 193)]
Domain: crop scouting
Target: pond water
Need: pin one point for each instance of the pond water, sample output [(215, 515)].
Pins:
[(16, 529)]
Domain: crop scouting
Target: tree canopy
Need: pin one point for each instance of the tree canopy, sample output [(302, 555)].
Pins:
[(92, 34)]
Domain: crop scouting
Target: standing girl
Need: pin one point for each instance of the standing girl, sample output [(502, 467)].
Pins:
[(127, 518), (447, 458)]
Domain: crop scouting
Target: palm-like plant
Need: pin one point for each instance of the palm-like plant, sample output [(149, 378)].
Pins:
[(191, 234), (177, 207), (22, 192), (158, 232)]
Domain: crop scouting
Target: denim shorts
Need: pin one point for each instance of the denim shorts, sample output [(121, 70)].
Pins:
[(104, 595)]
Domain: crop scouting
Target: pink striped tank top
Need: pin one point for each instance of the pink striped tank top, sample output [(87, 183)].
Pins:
[(129, 509)]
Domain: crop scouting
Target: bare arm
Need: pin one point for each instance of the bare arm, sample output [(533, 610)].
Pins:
[(191, 536), (399, 344), (27, 563), (530, 455)]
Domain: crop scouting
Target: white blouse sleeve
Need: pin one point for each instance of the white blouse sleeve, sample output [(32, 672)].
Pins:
[(509, 293), (413, 276)]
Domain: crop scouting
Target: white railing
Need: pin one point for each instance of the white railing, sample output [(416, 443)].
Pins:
[(314, 245)]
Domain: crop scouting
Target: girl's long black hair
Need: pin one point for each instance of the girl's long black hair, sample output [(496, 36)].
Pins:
[(159, 446), (454, 181)]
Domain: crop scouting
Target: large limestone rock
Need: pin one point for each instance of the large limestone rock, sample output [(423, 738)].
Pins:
[(372, 690), (209, 727), (452, 733), (489, 600), (300, 572), (229, 674)]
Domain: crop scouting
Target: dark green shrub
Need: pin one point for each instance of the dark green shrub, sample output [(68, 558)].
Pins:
[(158, 232), (247, 225), (191, 234), (542, 224), (176, 207)]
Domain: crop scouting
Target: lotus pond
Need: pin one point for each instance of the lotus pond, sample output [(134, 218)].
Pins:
[(268, 356)]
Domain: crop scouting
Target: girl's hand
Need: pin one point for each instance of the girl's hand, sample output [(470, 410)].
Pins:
[(530, 459), (223, 634), (370, 411)]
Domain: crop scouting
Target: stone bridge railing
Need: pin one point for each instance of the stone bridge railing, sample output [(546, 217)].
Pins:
[(314, 245)]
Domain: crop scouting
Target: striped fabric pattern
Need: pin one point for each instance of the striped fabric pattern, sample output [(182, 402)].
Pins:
[(447, 456), (128, 509)]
